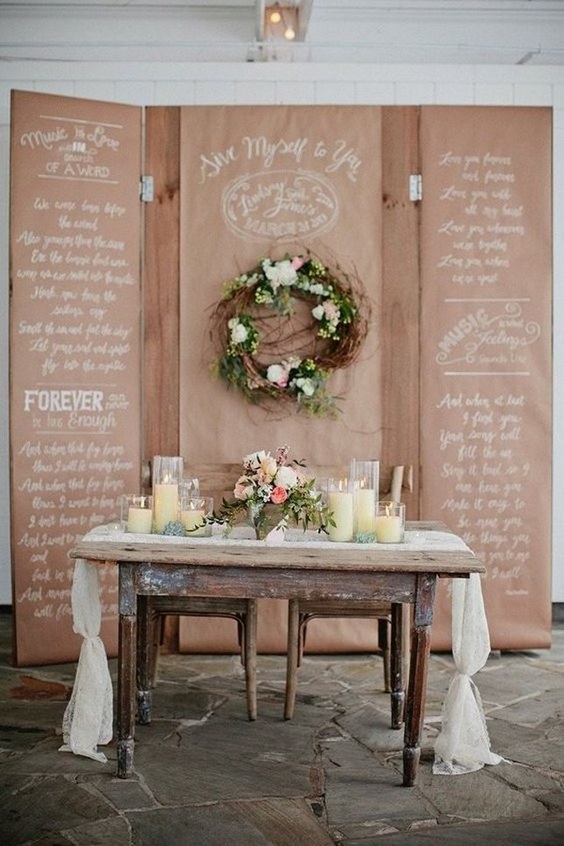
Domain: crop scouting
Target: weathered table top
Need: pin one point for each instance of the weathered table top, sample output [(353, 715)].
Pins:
[(445, 555)]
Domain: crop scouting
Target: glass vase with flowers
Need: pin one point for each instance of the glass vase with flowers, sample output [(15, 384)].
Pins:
[(274, 493)]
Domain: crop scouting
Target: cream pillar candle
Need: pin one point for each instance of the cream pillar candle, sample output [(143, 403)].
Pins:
[(388, 529), (340, 503), (365, 478), (365, 509), (139, 520), (389, 524), (167, 474), (193, 513), (193, 521), (165, 498)]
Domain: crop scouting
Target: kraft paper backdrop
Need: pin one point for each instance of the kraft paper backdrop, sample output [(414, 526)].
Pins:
[(75, 333), (263, 181), (486, 355)]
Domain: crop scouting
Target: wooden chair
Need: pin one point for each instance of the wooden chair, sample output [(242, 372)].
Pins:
[(216, 480), (389, 615)]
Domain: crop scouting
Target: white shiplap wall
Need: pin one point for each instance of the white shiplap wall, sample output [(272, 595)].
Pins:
[(224, 83)]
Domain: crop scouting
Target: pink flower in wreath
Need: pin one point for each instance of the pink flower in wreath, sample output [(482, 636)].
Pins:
[(297, 262), (278, 495), (278, 375), (332, 312)]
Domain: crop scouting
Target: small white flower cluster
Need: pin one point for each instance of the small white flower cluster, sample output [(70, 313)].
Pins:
[(327, 311), (305, 385), (238, 331)]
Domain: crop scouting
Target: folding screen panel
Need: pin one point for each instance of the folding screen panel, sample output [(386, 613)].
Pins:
[(75, 351), (486, 353)]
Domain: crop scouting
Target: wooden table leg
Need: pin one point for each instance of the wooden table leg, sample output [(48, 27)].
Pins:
[(250, 647), (397, 683), (145, 647), (126, 670), (419, 662)]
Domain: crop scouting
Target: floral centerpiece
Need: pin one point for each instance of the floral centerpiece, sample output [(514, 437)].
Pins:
[(273, 492), (251, 358)]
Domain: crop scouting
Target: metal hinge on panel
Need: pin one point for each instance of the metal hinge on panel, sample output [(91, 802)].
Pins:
[(146, 189), (415, 187)]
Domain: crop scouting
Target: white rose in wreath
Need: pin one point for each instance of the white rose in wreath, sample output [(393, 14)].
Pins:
[(306, 386), (239, 331), (278, 375), (281, 273)]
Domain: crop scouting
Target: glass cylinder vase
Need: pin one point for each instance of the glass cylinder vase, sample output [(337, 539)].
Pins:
[(365, 476), (390, 522), (195, 515), (167, 475)]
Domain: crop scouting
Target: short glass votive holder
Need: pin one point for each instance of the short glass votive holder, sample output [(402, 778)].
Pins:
[(389, 524), (189, 486), (365, 477), (195, 513), (167, 475), (340, 502), (137, 513)]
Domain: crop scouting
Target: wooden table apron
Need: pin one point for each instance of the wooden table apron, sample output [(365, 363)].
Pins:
[(288, 571)]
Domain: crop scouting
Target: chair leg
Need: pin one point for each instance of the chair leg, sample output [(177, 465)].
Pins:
[(292, 658), (397, 692), (250, 658), (384, 644), (155, 640)]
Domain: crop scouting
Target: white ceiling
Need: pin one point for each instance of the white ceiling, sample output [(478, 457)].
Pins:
[(378, 31)]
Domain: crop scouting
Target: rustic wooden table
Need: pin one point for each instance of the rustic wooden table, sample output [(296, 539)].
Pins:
[(402, 573)]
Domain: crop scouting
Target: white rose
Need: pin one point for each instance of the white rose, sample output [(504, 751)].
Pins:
[(239, 333), (281, 273), (275, 373), (318, 312), (306, 386), (286, 477)]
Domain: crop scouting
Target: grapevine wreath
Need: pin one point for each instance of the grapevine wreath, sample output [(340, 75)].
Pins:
[(284, 326)]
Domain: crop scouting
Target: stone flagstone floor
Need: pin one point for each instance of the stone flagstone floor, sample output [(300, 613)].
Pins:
[(205, 776)]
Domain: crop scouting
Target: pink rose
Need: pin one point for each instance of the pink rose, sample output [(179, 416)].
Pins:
[(297, 262), (278, 495), (242, 489)]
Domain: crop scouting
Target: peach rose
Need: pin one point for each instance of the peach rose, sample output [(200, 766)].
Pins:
[(278, 495)]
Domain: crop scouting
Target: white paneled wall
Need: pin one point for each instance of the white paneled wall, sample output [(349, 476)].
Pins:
[(168, 83)]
